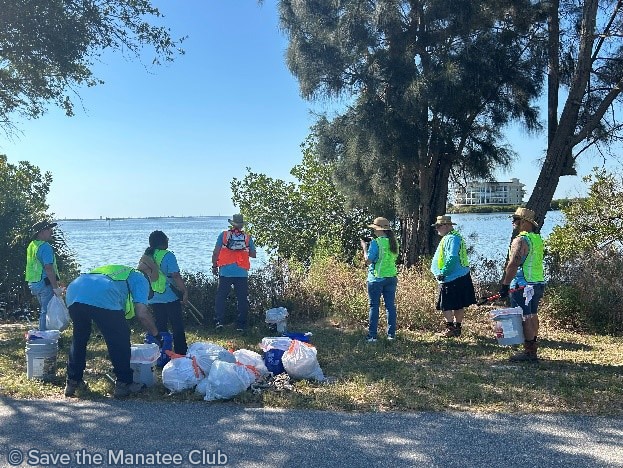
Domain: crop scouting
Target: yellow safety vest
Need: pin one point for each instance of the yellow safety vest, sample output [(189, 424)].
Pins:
[(161, 283), (441, 261), (34, 268), (119, 273)]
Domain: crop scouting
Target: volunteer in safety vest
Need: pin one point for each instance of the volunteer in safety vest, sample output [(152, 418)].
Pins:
[(380, 255), (166, 303), (108, 296), (525, 267), (230, 260), (41, 269), (451, 268)]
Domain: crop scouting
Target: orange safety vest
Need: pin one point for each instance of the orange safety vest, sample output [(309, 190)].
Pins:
[(240, 257)]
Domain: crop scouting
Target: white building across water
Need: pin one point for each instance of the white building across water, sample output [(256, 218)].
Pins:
[(490, 193)]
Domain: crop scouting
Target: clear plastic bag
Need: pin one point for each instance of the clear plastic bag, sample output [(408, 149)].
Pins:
[(226, 380), (57, 317)]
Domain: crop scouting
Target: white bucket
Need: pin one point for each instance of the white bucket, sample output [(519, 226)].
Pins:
[(144, 372), (508, 326), (143, 359), (41, 359)]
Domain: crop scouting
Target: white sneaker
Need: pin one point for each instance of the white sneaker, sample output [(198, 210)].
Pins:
[(370, 339), (391, 337)]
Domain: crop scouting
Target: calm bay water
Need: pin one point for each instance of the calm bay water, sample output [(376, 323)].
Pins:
[(103, 242)]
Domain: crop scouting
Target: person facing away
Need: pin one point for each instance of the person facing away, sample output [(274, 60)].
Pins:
[(525, 268), (41, 270), (450, 266), (380, 256), (109, 296), (168, 289), (230, 260)]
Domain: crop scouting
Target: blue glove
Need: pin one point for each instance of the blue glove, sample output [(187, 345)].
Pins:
[(441, 277), (503, 292)]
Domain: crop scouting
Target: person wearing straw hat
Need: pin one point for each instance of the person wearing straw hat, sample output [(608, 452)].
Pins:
[(230, 261), (41, 270), (450, 266), (380, 255), (525, 268), (109, 296)]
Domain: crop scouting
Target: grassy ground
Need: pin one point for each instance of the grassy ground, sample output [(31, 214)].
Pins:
[(578, 373)]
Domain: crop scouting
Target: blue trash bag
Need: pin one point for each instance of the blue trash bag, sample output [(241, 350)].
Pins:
[(272, 359)]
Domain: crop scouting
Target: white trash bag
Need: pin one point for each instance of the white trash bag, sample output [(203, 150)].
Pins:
[(181, 374), (144, 353), (253, 359), (57, 317), (301, 362), (206, 353), (226, 380)]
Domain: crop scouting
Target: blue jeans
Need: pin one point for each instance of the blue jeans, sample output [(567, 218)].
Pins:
[(241, 288), (43, 295), (387, 288), (114, 328)]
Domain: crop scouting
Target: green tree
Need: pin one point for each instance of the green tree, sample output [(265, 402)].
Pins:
[(594, 223), (47, 48), (293, 220), (428, 85), (586, 62), (23, 192)]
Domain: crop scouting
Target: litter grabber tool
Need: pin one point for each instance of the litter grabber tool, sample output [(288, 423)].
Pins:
[(194, 312), (484, 300)]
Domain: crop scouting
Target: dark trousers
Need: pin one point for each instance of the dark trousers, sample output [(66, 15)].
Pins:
[(171, 312), (113, 326), (241, 288)]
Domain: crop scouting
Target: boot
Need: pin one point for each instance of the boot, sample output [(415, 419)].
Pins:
[(72, 385), (529, 354), (123, 389)]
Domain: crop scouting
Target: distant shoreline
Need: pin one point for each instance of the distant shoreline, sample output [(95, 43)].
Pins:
[(140, 217)]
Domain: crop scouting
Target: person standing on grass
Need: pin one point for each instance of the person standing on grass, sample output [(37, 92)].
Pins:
[(525, 268), (109, 296), (450, 266), (41, 270), (230, 261), (380, 256), (166, 304)]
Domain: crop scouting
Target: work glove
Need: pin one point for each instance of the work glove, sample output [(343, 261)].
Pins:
[(441, 277), (503, 292), (215, 270), (59, 291)]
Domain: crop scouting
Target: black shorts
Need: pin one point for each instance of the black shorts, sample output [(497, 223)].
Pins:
[(456, 294)]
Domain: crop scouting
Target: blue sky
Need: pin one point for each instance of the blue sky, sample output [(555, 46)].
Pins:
[(167, 141)]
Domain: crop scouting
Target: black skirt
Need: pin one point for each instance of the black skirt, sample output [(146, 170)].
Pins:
[(456, 294)]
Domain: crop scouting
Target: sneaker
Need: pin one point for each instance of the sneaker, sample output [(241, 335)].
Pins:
[(123, 389), (72, 385), (240, 330), (371, 339), (218, 325), (391, 337)]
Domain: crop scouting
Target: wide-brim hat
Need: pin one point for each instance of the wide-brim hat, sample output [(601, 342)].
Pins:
[(40, 226), (443, 220), (237, 220), (148, 266), (380, 223), (525, 214)]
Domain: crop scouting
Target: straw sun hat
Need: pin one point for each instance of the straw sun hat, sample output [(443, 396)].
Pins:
[(525, 214)]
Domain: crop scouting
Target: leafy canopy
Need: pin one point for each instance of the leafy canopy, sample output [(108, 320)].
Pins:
[(593, 223), (293, 220), (47, 48)]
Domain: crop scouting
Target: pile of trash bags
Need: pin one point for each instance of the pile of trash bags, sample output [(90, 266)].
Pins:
[(217, 373)]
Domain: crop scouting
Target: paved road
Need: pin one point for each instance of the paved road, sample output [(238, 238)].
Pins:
[(200, 434)]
